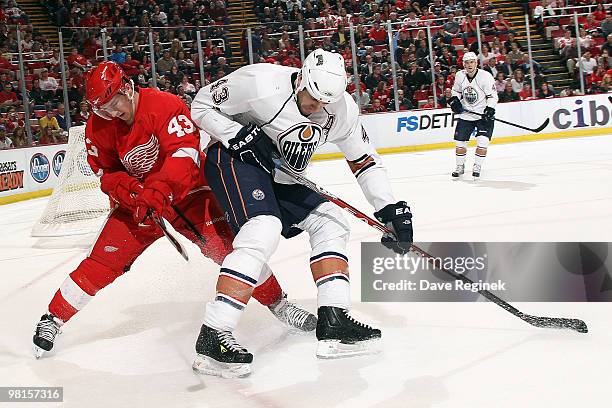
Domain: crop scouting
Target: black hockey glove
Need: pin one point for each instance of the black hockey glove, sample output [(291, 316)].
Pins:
[(455, 104), (398, 218), (489, 113), (252, 145)]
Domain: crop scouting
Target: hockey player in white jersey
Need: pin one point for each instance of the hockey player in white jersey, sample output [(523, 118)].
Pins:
[(254, 113), (473, 90)]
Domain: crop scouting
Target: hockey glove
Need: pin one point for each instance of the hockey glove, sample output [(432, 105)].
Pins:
[(489, 113), (122, 189), (455, 104), (252, 145), (398, 218), (156, 198)]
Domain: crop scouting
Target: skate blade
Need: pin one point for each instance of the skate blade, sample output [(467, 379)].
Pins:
[(209, 366), (329, 349)]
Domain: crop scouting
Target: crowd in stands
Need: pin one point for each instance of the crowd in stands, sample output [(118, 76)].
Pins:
[(453, 28), (171, 23), (127, 25)]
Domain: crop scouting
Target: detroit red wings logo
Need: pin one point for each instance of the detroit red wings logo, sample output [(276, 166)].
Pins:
[(141, 159)]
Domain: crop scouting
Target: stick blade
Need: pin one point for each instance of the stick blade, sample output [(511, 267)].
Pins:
[(610, 99), (557, 323), (542, 126)]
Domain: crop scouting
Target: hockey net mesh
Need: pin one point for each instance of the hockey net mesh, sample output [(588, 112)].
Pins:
[(77, 205)]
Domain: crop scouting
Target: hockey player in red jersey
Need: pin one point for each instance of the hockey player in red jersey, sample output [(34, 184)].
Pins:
[(145, 148)]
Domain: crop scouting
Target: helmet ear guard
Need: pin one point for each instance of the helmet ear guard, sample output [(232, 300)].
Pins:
[(323, 75)]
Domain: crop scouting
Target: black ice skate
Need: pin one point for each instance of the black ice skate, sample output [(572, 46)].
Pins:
[(340, 335), (47, 330), (458, 171), (476, 172), (218, 353), (292, 315)]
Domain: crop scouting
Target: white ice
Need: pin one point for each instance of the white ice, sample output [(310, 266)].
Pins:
[(133, 344)]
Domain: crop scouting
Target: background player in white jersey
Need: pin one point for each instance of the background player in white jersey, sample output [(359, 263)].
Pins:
[(253, 113), (473, 90)]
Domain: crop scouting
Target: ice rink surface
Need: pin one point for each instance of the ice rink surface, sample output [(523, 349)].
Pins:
[(133, 345)]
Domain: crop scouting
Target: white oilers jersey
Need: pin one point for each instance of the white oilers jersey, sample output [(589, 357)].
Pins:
[(475, 94), (263, 94)]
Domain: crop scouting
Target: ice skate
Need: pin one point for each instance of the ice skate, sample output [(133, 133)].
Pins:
[(293, 316), (458, 171), (340, 335), (219, 354), (476, 172), (47, 330)]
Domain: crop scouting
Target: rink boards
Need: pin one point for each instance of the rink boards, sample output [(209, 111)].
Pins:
[(33, 172)]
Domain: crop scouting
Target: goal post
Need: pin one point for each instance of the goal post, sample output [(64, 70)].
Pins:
[(77, 205)]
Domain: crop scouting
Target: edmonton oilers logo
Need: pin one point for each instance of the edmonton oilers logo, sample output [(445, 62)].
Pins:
[(40, 168), (470, 95), (58, 160), (298, 143)]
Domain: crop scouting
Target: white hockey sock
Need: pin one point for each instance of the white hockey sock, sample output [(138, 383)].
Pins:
[(460, 157), (221, 315), (482, 142), (334, 292)]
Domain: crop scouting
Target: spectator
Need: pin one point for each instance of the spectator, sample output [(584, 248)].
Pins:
[(47, 136), (517, 81), (545, 91), (377, 107), (606, 25), (49, 120), (500, 82), (8, 98), (570, 55), (118, 55), (377, 34), (588, 63), (165, 63), (180, 91), (60, 117), (360, 97), (607, 46), (48, 84), (5, 141), (491, 67), (20, 138), (515, 56), (83, 113), (502, 25), (174, 77), (585, 40), (137, 53), (341, 36), (187, 86), (564, 41), (509, 95), (38, 97), (444, 98), (76, 60), (526, 93), (429, 104)]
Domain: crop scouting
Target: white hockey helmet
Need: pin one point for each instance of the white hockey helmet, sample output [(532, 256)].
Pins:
[(323, 76), (470, 56)]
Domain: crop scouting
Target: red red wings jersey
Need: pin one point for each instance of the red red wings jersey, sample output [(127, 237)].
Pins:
[(163, 144)]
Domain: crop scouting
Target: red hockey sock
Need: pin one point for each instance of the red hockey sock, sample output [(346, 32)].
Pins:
[(268, 292)]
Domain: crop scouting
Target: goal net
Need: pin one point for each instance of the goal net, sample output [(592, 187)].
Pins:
[(77, 205)]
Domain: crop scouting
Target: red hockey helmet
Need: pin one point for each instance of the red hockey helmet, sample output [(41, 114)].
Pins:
[(103, 83)]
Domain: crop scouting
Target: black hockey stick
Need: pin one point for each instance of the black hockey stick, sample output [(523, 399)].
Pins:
[(538, 321), (536, 130), (190, 225), (175, 243), (610, 99)]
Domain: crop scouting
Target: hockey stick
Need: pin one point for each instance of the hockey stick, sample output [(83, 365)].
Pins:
[(536, 130), (537, 321), (190, 225), (610, 99), (175, 243)]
